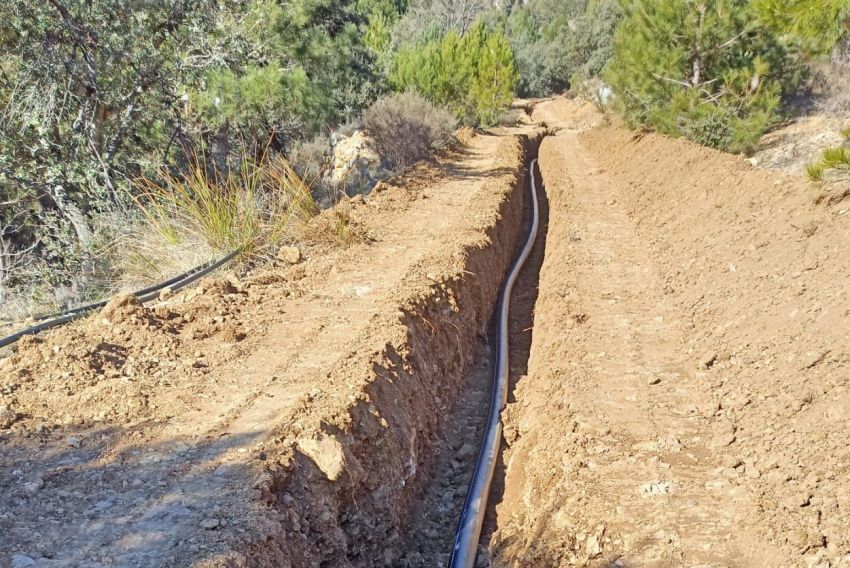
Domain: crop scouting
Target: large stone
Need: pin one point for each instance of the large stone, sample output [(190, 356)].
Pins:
[(289, 254), (357, 165)]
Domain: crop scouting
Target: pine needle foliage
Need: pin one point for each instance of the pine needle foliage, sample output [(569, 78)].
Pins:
[(474, 74), (705, 70), (835, 161)]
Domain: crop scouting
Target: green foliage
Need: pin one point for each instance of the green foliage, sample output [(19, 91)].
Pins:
[(473, 75), (95, 93), (554, 41), (429, 19), (707, 71), (590, 47), (835, 161), (816, 24), (305, 64)]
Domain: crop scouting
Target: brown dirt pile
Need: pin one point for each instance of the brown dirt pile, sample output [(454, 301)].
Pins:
[(686, 400)]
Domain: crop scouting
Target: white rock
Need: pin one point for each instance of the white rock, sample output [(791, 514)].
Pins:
[(21, 561)]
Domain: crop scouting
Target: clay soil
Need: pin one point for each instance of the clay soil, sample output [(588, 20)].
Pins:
[(686, 401), (678, 369), (285, 418)]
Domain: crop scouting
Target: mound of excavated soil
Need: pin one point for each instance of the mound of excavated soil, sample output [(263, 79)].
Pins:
[(687, 398), (282, 419)]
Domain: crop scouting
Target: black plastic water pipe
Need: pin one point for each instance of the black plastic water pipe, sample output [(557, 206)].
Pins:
[(145, 295), (469, 528)]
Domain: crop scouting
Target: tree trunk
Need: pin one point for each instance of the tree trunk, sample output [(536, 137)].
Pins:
[(74, 215), (696, 77)]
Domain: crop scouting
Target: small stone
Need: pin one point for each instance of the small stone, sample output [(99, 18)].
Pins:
[(730, 461), (654, 381), (724, 435), (467, 450), (448, 497), (21, 561), (74, 442), (813, 359), (797, 500), (655, 488), (593, 547), (210, 524), (289, 254), (34, 487), (7, 417), (706, 361)]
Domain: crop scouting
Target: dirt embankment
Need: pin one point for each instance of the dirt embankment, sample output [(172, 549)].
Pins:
[(284, 419), (687, 395)]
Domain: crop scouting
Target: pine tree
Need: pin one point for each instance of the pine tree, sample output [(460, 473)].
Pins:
[(473, 75), (706, 70)]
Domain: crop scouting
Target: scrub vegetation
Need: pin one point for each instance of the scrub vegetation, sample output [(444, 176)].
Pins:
[(117, 116)]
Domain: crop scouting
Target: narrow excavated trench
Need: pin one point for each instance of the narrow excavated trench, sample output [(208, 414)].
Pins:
[(435, 513)]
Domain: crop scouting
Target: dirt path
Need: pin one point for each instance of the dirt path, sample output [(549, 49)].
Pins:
[(655, 425), (643, 480), (176, 435)]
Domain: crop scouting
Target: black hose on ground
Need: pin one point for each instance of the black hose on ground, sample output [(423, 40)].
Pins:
[(469, 528), (144, 295)]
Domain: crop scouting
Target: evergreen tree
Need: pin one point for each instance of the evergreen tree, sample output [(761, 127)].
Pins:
[(473, 75), (706, 70), (817, 24)]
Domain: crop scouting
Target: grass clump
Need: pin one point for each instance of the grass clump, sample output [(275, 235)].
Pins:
[(205, 212)]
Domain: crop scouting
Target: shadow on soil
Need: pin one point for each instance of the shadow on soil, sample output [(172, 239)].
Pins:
[(68, 498)]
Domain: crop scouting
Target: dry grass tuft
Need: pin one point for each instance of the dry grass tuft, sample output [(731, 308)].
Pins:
[(201, 213), (333, 228)]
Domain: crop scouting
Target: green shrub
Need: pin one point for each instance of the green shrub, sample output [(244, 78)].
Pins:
[(707, 71), (406, 126), (473, 75)]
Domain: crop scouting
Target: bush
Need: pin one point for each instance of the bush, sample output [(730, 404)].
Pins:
[(311, 159), (707, 71), (473, 75), (406, 126), (250, 209)]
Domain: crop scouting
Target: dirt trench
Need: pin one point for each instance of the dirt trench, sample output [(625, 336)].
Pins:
[(407, 459), (290, 418)]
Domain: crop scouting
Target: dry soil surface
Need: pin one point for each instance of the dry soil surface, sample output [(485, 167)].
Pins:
[(282, 419), (686, 402), (679, 371)]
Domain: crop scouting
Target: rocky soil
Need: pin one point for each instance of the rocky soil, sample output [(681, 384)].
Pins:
[(687, 395), (286, 418)]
